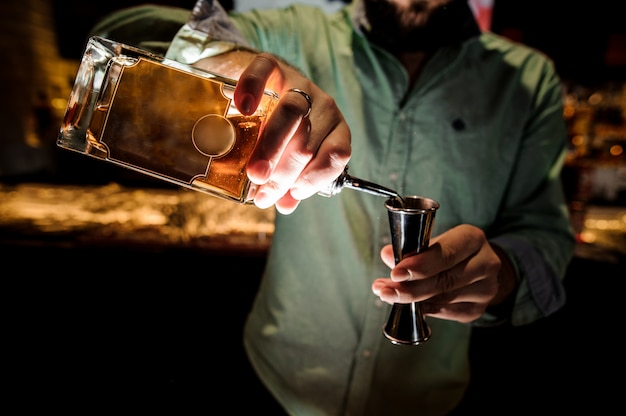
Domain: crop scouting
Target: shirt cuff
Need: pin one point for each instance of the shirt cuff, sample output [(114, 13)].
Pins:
[(208, 32), (540, 291)]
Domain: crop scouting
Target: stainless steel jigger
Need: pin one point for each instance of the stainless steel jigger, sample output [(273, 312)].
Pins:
[(411, 220)]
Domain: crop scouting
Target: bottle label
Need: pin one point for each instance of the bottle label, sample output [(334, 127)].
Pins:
[(165, 121), (162, 118)]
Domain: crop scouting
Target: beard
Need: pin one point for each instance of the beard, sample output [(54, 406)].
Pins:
[(413, 27)]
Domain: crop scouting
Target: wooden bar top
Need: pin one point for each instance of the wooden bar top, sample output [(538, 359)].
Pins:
[(116, 216)]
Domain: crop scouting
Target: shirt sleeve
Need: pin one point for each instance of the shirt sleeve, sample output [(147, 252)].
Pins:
[(533, 227), (148, 27)]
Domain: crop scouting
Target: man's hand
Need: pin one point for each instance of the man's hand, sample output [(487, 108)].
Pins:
[(303, 146), (457, 278)]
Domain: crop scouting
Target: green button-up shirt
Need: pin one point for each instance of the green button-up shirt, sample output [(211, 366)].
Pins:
[(482, 133)]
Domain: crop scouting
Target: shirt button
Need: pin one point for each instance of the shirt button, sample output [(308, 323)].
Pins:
[(366, 353), (393, 176), (385, 240), (401, 116)]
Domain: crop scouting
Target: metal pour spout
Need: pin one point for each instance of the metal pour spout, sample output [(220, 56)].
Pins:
[(346, 181)]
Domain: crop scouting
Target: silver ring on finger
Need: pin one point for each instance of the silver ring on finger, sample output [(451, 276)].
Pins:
[(306, 96)]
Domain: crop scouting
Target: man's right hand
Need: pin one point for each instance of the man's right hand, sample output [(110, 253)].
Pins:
[(304, 145)]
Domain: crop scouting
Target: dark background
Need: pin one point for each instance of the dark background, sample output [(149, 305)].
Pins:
[(146, 331), (125, 331), (575, 34)]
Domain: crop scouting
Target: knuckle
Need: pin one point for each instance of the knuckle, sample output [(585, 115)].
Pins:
[(268, 59), (274, 188), (293, 105), (300, 158), (445, 281), (308, 150), (327, 102), (339, 156), (494, 266), (448, 257)]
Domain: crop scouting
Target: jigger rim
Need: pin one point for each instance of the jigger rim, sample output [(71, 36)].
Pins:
[(428, 204)]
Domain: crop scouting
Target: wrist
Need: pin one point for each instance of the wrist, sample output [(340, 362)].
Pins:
[(507, 281)]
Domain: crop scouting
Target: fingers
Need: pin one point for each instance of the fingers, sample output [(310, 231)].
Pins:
[(287, 204), (288, 163), (304, 144), (455, 278), (463, 305), (286, 125), (448, 256), (464, 312), (306, 96), (481, 292), (332, 154), (386, 254), (253, 81), (302, 171)]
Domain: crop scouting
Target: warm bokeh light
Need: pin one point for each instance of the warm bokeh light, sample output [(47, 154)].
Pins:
[(606, 225), (616, 150), (588, 237), (578, 140), (595, 98)]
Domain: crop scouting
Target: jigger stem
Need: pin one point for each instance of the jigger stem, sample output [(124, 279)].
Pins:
[(411, 220)]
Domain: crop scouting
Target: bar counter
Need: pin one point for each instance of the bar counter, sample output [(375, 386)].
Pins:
[(115, 216), (174, 218), (130, 296)]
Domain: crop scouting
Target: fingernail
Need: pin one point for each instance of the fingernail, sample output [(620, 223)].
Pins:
[(376, 288), (263, 200), (400, 275), (388, 295), (260, 171), (246, 104)]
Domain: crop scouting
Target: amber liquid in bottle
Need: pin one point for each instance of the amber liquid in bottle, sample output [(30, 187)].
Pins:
[(163, 119), (228, 173)]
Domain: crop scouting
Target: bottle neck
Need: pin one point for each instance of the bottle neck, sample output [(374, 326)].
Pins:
[(370, 187), (335, 186)]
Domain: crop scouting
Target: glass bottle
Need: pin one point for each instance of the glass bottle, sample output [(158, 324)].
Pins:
[(162, 118)]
